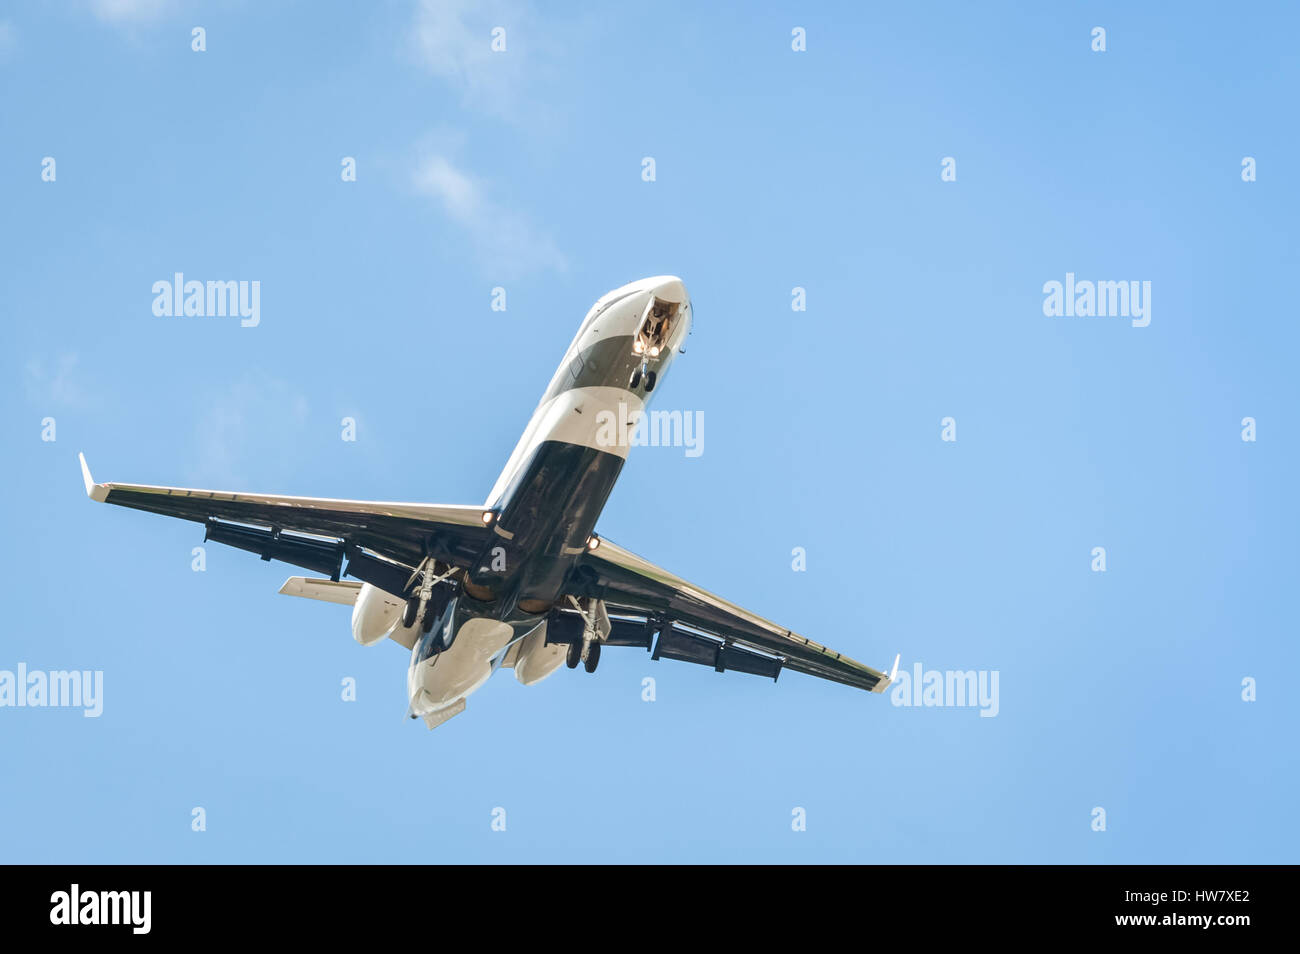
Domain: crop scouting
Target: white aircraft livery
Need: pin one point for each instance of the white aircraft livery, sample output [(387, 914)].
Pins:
[(522, 582)]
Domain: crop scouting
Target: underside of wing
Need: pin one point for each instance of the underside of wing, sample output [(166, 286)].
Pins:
[(316, 532), (695, 625)]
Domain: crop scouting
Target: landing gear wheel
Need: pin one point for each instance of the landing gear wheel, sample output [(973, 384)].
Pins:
[(411, 609), (430, 617), (636, 379), (650, 380), (574, 655), (593, 657)]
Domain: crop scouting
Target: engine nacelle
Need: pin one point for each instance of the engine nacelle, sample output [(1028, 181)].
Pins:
[(535, 659), (375, 614)]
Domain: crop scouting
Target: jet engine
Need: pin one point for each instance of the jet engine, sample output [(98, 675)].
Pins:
[(377, 614), (536, 660)]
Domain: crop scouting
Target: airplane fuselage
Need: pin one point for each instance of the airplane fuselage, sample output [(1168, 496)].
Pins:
[(544, 506)]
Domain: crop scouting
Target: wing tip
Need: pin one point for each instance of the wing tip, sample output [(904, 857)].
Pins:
[(886, 681), (96, 492)]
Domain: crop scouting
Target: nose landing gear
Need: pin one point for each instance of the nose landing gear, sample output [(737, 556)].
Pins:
[(642, 374), (652, 339)]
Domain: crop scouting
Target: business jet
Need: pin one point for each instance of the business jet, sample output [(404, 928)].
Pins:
[(522, 582)]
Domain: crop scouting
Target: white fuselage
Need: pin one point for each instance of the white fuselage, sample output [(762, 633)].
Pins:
[(615, 314)]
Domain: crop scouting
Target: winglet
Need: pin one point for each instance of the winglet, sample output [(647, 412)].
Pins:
[(93, 491), (885, 683)]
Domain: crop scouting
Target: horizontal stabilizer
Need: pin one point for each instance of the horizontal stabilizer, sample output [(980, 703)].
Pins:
[(328, 591)]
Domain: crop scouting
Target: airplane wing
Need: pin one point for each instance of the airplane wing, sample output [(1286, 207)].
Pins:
[(316, 532), (724, 635)]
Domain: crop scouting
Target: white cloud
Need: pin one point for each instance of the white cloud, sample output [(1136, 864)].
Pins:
[(57, 382), (130, 11), (452, 39), (252, 419), (462, 197), (506, 243)]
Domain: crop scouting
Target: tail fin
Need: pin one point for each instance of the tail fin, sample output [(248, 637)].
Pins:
[(439, 716)]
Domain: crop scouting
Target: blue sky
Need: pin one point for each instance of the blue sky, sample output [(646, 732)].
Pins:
[(774, 169)]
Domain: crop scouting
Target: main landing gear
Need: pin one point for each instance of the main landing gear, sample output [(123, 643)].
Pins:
[(586, 653), (595, 628), (421, 606)]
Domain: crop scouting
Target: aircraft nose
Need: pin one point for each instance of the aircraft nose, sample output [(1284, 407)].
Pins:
[(670, 288)]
